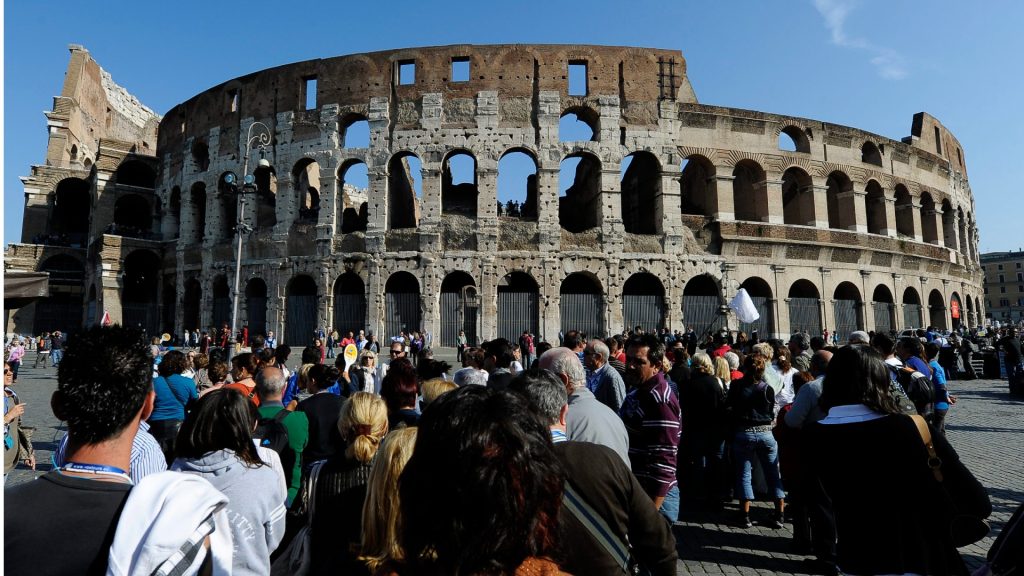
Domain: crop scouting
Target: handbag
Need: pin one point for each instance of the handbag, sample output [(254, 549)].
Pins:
[(964, 529), (297, 557)]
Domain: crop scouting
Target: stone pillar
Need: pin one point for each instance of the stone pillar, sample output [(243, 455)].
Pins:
[(550, 299), (781, 304), (486, 203), (721, 205), (915, 208), (940, 232), (610, 218), (669, 210), (853, 210), (820, 192), (890, 214), (550, 231), (488, 315), (430, 207), (776, 211), (614, 320)]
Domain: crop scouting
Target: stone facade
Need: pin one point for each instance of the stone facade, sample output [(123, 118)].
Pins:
[(713, 199)]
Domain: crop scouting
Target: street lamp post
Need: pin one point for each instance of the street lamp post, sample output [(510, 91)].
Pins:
[(261, 139)]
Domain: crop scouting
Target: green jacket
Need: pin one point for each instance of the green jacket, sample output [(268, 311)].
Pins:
[(298, 435)]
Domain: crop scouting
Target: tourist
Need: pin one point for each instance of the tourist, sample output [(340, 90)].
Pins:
[(173, 393), (399, 390), (18, 447), (380, 541), (702, 443), (269, 386), (602, 379), (322, 409)]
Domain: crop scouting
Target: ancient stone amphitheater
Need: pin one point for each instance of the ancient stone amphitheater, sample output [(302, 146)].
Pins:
[(651, 210)]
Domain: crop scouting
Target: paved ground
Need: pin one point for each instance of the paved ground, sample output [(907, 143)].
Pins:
[(985, 427)]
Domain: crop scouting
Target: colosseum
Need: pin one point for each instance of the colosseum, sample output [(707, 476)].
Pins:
[(652, 210)]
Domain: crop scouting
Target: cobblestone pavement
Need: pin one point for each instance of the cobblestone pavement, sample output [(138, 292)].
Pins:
[(985, 427)]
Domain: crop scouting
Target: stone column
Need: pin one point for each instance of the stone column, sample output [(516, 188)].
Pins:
[(776, 211), (915, 208), (853, 210), (669, 210), (550, 231), (721, 205), (820, 191), (487, 225), (610, 217), (781, 303), (890, 214), (430, 207)]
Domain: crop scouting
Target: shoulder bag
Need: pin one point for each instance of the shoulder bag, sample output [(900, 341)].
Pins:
[(297, 557)]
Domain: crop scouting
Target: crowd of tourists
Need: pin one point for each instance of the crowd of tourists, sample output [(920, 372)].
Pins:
[(527, 459)]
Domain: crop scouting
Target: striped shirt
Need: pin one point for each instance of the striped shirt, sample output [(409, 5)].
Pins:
[(146, 456), (651, 415)]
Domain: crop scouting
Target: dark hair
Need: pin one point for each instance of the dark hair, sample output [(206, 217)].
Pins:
[(223, 419), (883, 343), (817, 343), (246, 360), (281, 353), (399, 387), (858, 375), (544, 390), (655, 347), (217, 371), (501, 349), (265, 356), (754, 366), (102, 382), (801, 378), (174, 362), (428, 368), (931, 350), (782, 358), (322, 376), (542, 347), (310, 355), (495, 483), (258, 341), (572, 339)]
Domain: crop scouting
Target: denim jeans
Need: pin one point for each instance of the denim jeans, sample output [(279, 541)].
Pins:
[(55, 356), (670, 505), (761, 445)]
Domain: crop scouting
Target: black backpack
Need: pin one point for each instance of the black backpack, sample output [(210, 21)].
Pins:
[(272, 434), (919, 389)]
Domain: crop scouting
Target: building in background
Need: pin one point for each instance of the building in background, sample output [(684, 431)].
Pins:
[(1004, 286)]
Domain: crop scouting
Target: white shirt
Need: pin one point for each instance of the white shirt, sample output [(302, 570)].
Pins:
[(850, 414)]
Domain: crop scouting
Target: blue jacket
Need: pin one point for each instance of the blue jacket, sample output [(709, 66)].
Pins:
[(172, 394)]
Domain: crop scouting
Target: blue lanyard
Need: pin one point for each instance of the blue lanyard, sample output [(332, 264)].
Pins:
[(97, 469)]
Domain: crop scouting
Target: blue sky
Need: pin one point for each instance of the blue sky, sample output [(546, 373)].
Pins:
[(870, 64)]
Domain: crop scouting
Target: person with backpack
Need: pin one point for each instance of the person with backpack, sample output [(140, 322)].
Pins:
[(942, 398), (284, 431), (173, 393), (915, 377)]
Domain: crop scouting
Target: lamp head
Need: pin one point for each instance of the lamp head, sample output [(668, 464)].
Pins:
[(264, 163), (230, 178)]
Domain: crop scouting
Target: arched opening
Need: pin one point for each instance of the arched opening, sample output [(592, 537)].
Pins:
[(760, 293), (702, 303), (912, 309), (970, 320), (937, 310), (401, 304), (355, 132), (133, 217), (72, 207), (404, 190), (839, 193), (221, 293), (517, 184), (696, 185), (804, 308), (198, 206), (870, 154), (459, 184), (460, 308), (579, 124), (643, 302), (929, 229), (794, 139), (306, 179), (641, 193), (749, 192), (518, 306), (884, 310), (797, 198), (349, 303), (874, 208), (174, 212), (948, 225), (582, 304), (579, 184), (256, 307), (846, 304), (135, 173), (62, 309), (140, 280), (956, 311), (301, 297), (190, 304), (978, 309), (962, 229), (228, 196), (201, 155), (266, 197), (353, 187), (904, 212)]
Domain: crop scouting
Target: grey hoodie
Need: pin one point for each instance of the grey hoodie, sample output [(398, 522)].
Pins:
[(255, 506)]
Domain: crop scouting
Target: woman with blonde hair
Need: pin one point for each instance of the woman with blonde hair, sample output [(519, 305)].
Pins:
[(702, 444), (380, 512), (722, 372)]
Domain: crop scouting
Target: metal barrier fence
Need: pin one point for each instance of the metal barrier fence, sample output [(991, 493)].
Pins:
[(762, 325), (457, 314), (583, 312), (646, 310), (144, 316), (805, 315), (256, 315), (883, 317), (702, 314), (300, 320), (401, 312), (349, 313), (517, 311), (912, 316), (846, 320)]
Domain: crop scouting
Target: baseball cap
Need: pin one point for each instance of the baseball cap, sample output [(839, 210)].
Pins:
[(858, 337)]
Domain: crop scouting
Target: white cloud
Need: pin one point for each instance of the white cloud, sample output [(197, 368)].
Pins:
[(889, 63)]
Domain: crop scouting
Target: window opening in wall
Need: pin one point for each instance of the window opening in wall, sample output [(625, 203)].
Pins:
[(405, 189), (233, 101), (641, 188), (579, 185), (517, 185), (459, 185), (959, 157), (311, 93), (353, 197), (578, 125), (938, 140), (786, 142), (869, 154), (460, 69), (356, 134), (577, 78), (694, 185), (406, 72)]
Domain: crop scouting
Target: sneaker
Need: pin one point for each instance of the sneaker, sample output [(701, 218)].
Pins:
[(745, 522), (776, 521)]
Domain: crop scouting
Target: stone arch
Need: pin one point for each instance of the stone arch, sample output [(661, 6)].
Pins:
[(574, 122), (884, 309), (912, 309), (198, 207), (839, 190), (846, 305), (804, 304), (301, 299), (352, 200), (641, 193), (750, 191), (929, 229), (140, 283), (306, 183), (948, 224), (174, 211), (518, 305), (874, 208), (135, 173), (870, 154), (582, 304), (72, 207), (190, 305), (937, 310), (697, 185), (797, 197), (256, 306), (579, 206), (643, 302), (459, 183), (401, 304), (133, 216), (403, 204), (62, 308), (349, 303), (201, 155), (702, 300), (956, 311), (266, 197), (794, 139), (220, 294), (460, 307), (760, 293), (513, 164), (904, 212), (354, 131), (962, 230)]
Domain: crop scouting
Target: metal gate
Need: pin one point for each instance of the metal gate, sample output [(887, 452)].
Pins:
[(349, 313), (883, 317), (805, 316), (256, 315), (645, 310), (459, 312), (517, 311), (937, 317), (401, 312), (583, 312), (846, 318), (300, 320), (912, 316), (144, 316), (701, 313), (222, 312), (58, 313), (762, 325)]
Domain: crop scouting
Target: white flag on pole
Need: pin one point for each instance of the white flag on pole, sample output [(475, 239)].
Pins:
[(744, 307)]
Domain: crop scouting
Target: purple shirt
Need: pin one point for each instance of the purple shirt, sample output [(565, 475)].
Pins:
[(651, 415)]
